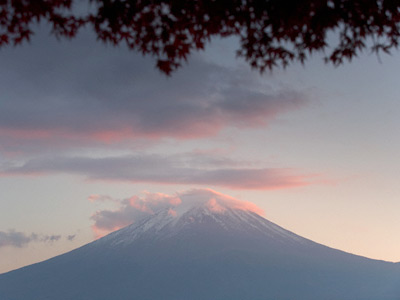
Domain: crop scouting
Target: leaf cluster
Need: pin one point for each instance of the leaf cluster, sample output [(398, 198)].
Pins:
[(271, 32)]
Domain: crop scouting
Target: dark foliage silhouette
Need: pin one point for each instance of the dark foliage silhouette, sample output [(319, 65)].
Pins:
[(271, 32)]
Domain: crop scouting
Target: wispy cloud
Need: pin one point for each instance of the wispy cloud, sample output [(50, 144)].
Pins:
[(183, 169), (135, 208), (18, 239)]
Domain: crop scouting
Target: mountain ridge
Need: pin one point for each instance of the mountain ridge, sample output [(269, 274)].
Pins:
[(208, 251)]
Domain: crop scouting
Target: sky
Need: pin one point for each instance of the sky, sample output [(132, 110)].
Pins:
[(91, 134)]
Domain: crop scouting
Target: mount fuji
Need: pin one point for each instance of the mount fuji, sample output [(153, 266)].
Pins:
[(206, 247)]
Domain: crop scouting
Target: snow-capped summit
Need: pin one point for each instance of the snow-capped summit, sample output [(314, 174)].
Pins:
[(222, 216), (203, 245)]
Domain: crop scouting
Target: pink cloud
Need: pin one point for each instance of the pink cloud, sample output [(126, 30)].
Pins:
[(213, 205), (220, 201), (99, 198), (185, 169), (172, 212), (19, 142), (153, 201)]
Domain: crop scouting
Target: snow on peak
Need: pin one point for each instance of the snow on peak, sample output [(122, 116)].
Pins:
[(136, 208), (198, 207)]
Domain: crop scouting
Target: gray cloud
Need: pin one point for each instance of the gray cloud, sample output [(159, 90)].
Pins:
[(175, 169), (18, 239), (71, 237), (80, 92), (51, 238), (109, 220), (14, 239), (131, 210)]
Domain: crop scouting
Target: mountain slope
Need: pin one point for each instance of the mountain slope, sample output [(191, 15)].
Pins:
[(204, 252)]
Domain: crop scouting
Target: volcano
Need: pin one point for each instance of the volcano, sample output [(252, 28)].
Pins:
[(204, 250)]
